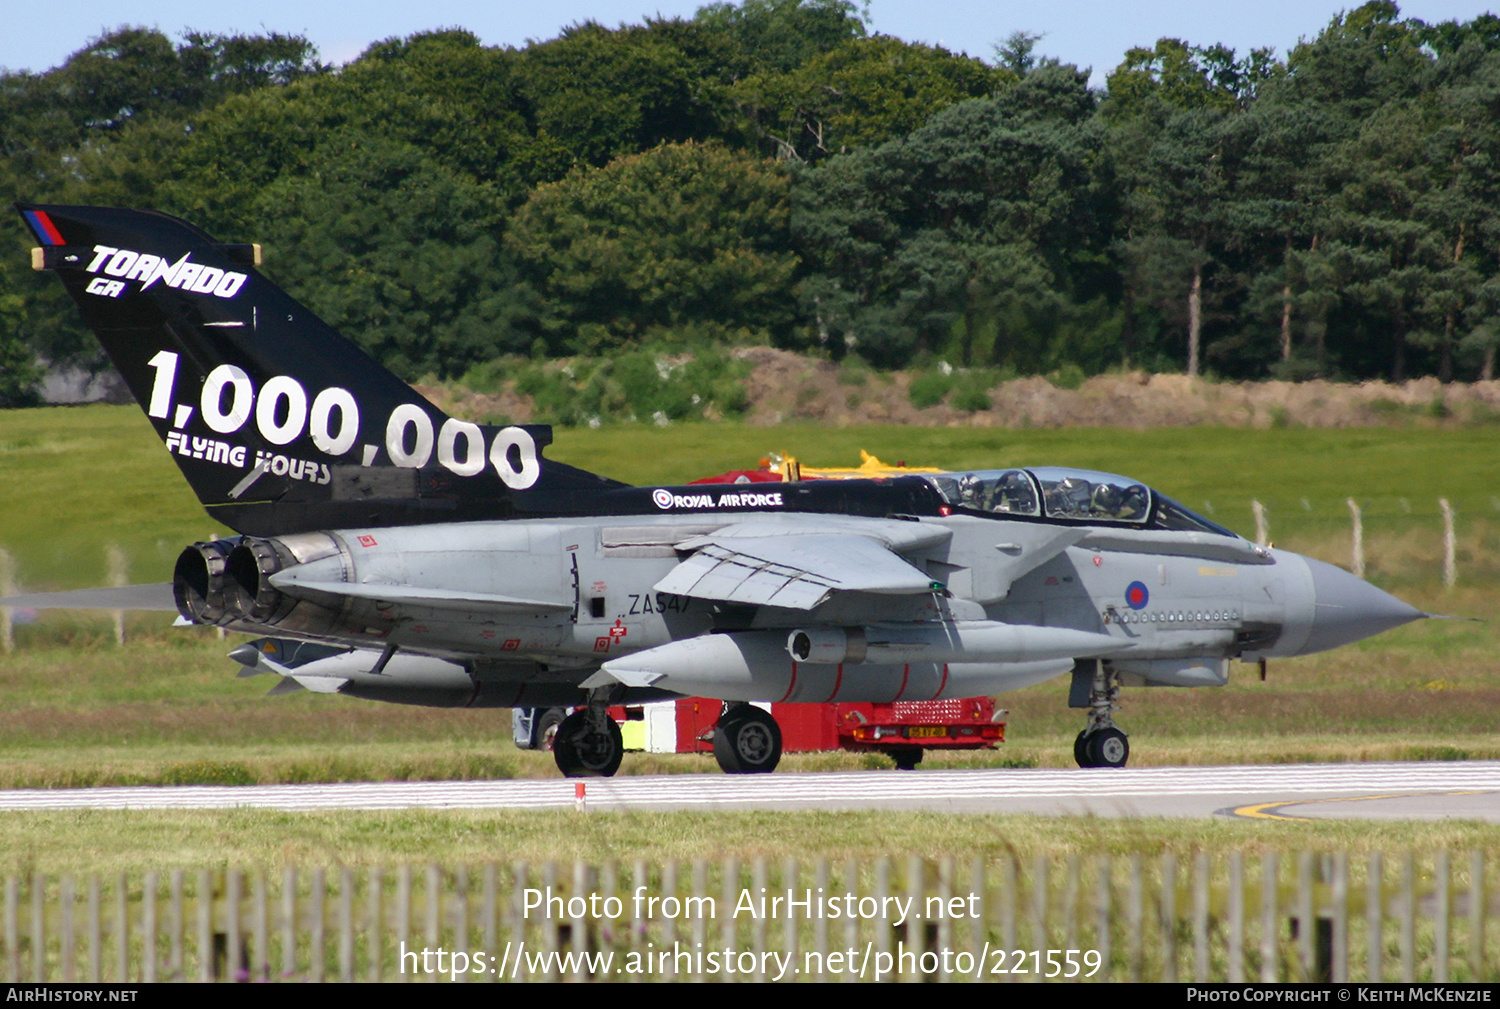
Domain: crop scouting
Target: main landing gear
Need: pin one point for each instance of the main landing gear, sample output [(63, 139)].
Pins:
[(747, 740), (1101, 743), (588, 742)]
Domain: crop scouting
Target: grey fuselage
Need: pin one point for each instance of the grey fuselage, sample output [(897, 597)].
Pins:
[(554, 599)]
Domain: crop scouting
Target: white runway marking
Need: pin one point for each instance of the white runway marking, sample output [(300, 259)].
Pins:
[(1468, 790)]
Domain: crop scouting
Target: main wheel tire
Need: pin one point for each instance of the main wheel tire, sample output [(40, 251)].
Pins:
[(544, 733), (1108, 748), (582, 751), (906, 757), (747, 740)]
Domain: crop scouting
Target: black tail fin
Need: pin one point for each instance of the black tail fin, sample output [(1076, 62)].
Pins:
[(279, 423)]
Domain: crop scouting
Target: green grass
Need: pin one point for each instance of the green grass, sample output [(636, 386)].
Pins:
[(113, 841)]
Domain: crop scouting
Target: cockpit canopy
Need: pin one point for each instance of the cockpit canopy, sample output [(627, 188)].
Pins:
[(1068, 495)]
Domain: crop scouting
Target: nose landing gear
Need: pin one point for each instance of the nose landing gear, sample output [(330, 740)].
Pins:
[(1101, 743)]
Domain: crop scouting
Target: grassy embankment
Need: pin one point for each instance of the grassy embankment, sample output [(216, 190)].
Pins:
[(167, 708)]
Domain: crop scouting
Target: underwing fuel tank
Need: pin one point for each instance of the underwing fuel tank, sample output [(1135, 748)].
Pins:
[(755, 665), (958, 641)]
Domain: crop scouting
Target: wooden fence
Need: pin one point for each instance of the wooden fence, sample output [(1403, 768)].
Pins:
[(1221, 916)]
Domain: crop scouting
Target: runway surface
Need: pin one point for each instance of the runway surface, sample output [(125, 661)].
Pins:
[(1410, 791)]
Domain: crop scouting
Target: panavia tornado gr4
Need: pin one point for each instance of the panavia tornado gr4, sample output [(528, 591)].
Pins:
[(391, 552)]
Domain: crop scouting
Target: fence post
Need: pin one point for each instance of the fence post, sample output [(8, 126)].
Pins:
[(1235, 971), (1357, 554), (1039, 887), (1408, 919), (261, 965), (1105, 916), (375, 940), (1201, 871), (65, 932), (1477, 915), (236, 966), (346, 926), (1375, 919), (122, 927), (1450, 545), (118, 576), (1135, 919), (148, 929), (289, 923), (1168, 921), (700, 890), (175, 925), (1441, 918), (1340, 918), (96, 932), (1269, 919), (1010, 880), (7, 588), (38, 927), (851, 923), (208, 947), (12, 928)]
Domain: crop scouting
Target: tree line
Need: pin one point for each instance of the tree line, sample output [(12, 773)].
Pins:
[(772, 172)]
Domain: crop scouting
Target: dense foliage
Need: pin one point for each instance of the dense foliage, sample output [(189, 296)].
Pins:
[(770, 172)]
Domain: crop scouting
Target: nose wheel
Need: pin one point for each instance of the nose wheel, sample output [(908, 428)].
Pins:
[(1105, 748), (747, 740), (1101, 743)]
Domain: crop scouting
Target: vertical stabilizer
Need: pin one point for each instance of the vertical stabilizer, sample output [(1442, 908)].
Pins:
[(279, 423)]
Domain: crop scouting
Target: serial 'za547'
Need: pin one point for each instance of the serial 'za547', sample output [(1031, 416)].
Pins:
[(396, 553)]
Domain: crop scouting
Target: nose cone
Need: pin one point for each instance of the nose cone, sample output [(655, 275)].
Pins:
[(1350, 609)]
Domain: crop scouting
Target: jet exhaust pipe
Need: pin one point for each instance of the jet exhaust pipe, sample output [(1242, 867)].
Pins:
[(248, 591), (249, 597), (960, 641), (198, 581)]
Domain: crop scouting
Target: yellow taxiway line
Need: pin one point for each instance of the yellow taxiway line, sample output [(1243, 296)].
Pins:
[(1266, 810)]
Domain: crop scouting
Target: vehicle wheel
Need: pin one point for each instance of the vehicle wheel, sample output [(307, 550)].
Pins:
[(544, 734), (906, 757), (582, 751), (1108, 748), (747, 740), (1081, 749)]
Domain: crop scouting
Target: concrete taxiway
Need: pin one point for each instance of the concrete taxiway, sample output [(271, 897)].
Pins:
[(1409, 791)]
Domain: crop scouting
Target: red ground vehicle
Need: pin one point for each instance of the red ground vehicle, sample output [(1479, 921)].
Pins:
[(902, 730)]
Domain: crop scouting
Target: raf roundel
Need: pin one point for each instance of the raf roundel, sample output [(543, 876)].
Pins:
[(663, 498), (1136, 595)]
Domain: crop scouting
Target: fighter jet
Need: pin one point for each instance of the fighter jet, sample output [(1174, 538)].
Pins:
[(386, 550)]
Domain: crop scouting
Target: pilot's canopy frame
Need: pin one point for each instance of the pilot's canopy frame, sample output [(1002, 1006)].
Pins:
[(1070, 496)]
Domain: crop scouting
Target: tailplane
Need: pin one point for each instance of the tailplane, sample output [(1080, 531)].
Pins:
[(279, 423)]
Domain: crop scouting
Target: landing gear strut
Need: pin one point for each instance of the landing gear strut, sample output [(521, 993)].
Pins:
[(1101, 743), (588, 742), (747, 740)]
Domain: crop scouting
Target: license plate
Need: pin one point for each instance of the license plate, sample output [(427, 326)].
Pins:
[(927, 732)]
